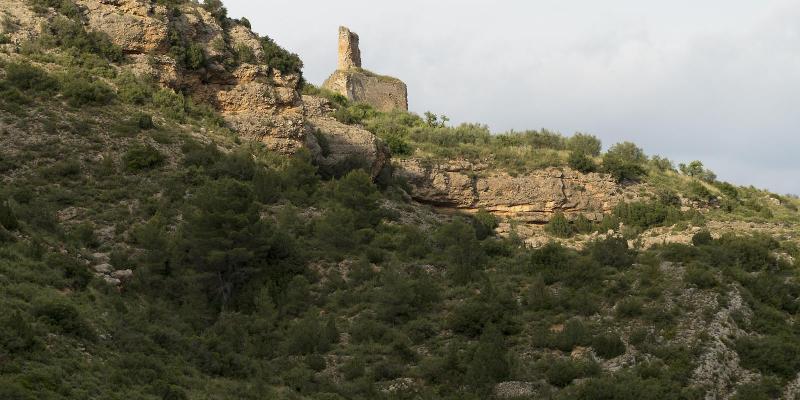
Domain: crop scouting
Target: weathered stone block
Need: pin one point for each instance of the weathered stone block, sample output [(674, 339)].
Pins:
[(350, 80)]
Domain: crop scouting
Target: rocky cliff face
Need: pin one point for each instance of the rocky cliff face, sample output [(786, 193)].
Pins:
[(531, 198), (340, 146), (257, 101), (361, 86)]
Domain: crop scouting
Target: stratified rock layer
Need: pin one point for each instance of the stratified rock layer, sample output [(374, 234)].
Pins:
[(532, 198)]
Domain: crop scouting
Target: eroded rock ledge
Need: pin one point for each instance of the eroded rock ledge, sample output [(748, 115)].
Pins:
[(530, 198)]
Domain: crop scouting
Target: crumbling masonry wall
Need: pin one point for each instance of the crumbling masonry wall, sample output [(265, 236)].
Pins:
[(384, 93)]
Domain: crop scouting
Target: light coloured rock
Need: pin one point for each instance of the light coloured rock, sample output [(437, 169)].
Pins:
[(20, 23), (382, 92), (256, 100), (112, 281), (530, 198), (517, 389), (349, 52), (69, 213), (123, 274), (344, 147), (136, 26), (259, 103), (241, 37), (361, 86), (792, 389), (317, 106), (103, 268), (101, 257), (719, 368), (162, 69)]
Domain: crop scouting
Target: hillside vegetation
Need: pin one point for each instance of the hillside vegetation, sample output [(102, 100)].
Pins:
[(148, 251)]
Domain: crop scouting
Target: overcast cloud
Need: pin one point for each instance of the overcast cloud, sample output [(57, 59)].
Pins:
[(717, 80)]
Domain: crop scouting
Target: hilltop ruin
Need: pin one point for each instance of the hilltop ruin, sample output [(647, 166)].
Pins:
[(359, 85)]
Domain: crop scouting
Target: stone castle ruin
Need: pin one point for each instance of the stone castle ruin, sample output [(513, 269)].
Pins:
[(359, 85), (349, 54)]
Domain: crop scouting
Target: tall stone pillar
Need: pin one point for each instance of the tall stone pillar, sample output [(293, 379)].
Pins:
[(349, 54)]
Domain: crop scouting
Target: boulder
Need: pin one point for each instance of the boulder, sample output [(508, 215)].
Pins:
[(339, 147), (123, 274), (102, 268), (345, 147)]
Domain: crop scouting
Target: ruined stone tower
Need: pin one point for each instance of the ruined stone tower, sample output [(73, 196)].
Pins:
[(349, 54), (350, 80)]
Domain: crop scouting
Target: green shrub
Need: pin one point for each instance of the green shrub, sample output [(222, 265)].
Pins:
[(195, 57), (172, 104), (484, 223), (770, 355), (588, 145), (581, 163), (398, 146), (629, 308), (582, 224), (766, 389), (611, 252), (65, 318), (217, 10), (562, 372), (65, 7), (575, 334), (628, 386), (700, 276), (80, 90), (31, 79), (69, 34), (559, 226), (7, 218), (608, 345), (310, 336), (76, 275), (245, 54), (649, 214), (145, 122), (461, 250), (489, 363), (132, 89), (353, 368), (624, 162), (142, 156), (280, 59), (17, 335)]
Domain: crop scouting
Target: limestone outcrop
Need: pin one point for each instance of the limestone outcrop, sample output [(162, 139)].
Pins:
[(342, 147), (257, 101), (350, 80), (530, 198), (136, 26)]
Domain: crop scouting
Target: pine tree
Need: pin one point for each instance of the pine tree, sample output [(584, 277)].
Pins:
[(489, 363)]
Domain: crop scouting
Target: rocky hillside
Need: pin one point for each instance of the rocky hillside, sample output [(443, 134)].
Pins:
[(183, 217)]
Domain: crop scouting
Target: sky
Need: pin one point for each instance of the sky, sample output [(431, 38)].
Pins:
[(713, 80)]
